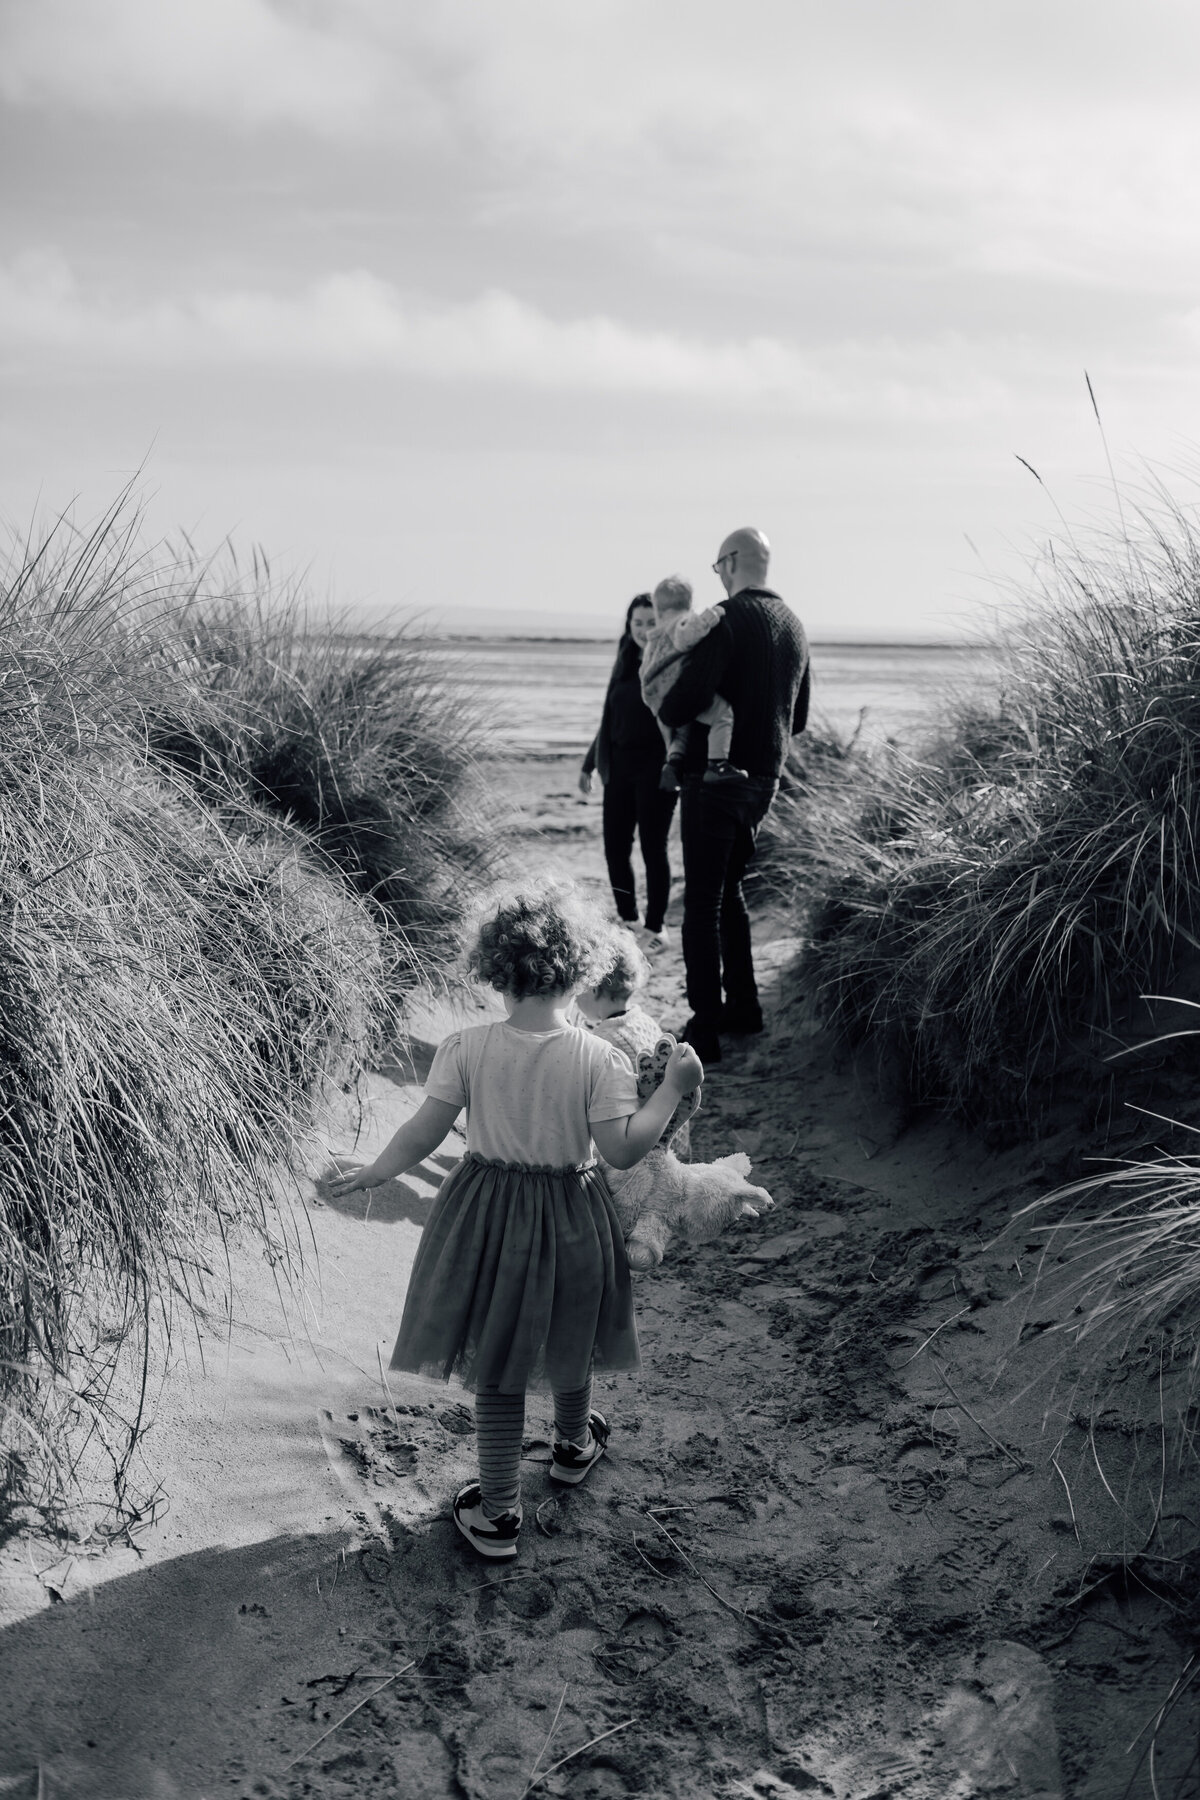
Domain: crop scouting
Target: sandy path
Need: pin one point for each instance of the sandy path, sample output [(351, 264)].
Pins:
[(836, 1549)]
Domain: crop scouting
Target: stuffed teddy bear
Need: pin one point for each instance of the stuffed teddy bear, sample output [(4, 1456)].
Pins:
[(661, 1195)]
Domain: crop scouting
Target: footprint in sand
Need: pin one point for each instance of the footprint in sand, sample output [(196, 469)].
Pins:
[(763, 1785), (792, 1605), (387, 1444), (531, 1598), (921, 1473), (446, 1669), (375, 1447), (644, 1641)]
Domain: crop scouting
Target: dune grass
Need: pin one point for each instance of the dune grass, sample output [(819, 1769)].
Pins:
[(992, 912), (990, 907), (360, 743), (189, 952), (1128, 1273)]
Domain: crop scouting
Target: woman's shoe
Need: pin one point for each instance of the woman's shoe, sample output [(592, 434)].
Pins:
[(656, 940), (571, 1463), (493, 1538)]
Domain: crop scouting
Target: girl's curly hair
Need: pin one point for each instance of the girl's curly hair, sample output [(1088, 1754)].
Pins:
[(543, 939), (628, 969)]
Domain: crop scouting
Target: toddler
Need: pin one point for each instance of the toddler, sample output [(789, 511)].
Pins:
[(521, 1275), (614, 1015), (677, 628), (610, 1007)]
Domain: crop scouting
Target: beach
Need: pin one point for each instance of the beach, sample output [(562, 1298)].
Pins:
[(543, 696), (370, 367), (832, 1550)]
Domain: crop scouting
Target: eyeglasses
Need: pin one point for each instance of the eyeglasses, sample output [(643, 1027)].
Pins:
[(728, 557)]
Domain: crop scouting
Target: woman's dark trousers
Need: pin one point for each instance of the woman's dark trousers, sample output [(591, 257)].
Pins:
[(637, 803), (719, 823)]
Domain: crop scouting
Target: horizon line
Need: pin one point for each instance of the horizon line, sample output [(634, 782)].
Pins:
[(516, 636)]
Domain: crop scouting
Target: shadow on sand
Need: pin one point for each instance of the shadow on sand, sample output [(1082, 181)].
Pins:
[(409, 1062), (214, 1669), (391, 1201)]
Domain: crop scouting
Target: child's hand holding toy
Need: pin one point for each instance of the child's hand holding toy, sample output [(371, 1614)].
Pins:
[(684, 1071)]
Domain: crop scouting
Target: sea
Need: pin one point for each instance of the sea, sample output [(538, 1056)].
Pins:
[(543, 696)]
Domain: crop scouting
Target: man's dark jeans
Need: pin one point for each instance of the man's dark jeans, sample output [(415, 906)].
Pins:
[(719, 822)]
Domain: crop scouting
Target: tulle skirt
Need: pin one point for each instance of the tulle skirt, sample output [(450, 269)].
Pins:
[(520, 1280)]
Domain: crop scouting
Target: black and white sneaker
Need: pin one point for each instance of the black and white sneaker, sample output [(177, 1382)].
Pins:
[(493, 1538), (570, 1463)]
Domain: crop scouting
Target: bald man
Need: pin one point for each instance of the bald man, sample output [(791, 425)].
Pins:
[(757, 659)]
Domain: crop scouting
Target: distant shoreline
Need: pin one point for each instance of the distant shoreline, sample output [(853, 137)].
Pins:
[(543, 696), (546, 637)]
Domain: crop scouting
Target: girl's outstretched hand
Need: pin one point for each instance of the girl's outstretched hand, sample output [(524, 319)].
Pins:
[(360, 1177), (684, 1070)]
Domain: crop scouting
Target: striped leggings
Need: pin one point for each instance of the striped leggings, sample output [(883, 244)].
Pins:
[(500, 1426)]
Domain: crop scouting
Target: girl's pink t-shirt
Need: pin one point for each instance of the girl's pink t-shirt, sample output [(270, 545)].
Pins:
[(531, 1096)]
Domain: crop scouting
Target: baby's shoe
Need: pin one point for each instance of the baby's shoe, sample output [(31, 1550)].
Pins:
[(668, 779), (569, 1463), (721, 770), (493, 1538)]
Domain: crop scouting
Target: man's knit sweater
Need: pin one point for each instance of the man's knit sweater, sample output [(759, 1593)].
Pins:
[(757, 659)]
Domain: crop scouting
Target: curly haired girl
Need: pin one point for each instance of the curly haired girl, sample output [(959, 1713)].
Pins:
[(521, 1276)]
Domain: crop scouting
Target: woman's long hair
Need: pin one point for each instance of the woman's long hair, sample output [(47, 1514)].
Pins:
[(629, 657)]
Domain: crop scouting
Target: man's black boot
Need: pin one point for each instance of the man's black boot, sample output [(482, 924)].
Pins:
[(742, 1021), (703, 1039)]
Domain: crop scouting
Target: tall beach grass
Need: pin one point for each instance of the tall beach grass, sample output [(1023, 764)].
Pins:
[(361, 744), (1123, 1250), (226, 844), (1001, 913), (990, 908)]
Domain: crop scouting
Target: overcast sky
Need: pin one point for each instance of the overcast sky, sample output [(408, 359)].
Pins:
[(529, 303)]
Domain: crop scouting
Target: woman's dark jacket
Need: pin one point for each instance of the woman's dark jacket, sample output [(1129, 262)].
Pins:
[(629, 741)]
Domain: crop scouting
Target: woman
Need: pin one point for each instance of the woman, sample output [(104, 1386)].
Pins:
[(628, 752)]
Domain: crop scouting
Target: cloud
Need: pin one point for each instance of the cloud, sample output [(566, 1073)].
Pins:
[(935, 138), (246, 60), (353, 321)]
